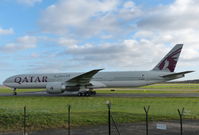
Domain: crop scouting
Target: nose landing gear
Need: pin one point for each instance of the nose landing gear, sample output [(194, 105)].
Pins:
[(14, 92)]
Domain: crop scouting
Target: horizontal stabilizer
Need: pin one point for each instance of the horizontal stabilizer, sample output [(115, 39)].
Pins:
[(176, 74)]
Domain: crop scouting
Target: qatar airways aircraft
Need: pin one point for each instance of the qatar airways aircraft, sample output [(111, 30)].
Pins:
[(84, 83)]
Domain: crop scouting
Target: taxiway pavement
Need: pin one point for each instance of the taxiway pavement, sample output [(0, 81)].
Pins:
[(43, 93)]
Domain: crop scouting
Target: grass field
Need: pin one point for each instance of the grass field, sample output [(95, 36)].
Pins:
[(47, 112), (51, 112), (8, 90), (156, 88)]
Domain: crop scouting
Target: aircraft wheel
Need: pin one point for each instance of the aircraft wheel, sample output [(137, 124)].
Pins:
[(94, 92), (86, 94), (89, 93), (14, 92)]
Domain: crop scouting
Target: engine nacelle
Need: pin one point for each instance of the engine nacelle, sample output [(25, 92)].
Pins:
[(55, 87)]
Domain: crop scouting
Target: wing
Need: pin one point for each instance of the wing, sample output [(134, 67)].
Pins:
[(83, 78)]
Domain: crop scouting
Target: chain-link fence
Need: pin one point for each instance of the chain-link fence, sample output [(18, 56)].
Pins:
[(150, 126)]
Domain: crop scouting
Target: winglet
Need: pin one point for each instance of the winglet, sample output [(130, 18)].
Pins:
[(168, 63)]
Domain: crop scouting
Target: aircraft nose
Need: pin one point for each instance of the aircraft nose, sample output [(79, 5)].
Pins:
[(5, 82)]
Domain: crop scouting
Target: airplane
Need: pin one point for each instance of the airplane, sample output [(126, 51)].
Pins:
[(83, 84)]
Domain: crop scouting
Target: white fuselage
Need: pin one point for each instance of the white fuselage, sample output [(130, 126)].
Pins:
[(100, 80)]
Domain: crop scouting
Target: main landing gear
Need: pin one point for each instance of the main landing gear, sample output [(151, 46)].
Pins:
[(87, 93), (14, 92)]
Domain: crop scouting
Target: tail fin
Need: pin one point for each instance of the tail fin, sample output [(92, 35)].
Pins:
[(168, 63)]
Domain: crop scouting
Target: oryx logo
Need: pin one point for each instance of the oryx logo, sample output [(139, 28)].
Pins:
[(170, 61)]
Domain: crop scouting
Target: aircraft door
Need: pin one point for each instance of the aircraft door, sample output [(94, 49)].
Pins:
[(142, 77)]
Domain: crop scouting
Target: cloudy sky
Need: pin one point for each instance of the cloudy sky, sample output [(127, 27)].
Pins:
[(81, 35)]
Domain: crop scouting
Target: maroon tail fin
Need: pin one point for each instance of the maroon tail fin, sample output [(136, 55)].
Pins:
[(168, 63)]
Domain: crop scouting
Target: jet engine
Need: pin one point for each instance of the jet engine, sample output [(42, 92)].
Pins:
[(60, 87), (55, 87)]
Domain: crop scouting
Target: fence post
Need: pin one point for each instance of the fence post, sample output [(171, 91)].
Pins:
[(115, 125), (181, 113), (69, 108), (146, 109), (24, 122), (109, 116)]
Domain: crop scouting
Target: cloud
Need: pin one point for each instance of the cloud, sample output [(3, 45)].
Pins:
[(145, 35), (182, 14), (6, 31), (71, 43), (21, 43), (77, 18), (128, 53), (174, 23), (29, 2)]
